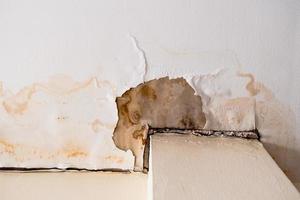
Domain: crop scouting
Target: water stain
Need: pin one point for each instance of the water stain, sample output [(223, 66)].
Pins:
[(18, 103), (53, 123), (251, 85), (72, 149), (148, 92), (276, 124), (158, 103), (8, 147), (256, 88), (75, 153)]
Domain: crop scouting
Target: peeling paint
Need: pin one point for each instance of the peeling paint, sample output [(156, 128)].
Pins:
[(142, 55), (225, 101), (84, 112), (259, 106), (60, 111), (66, 111)]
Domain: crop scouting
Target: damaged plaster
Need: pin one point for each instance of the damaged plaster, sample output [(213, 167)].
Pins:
[(66, 123), (158, 103)]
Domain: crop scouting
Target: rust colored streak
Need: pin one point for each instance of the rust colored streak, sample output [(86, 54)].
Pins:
[(251, 85), (77, 86), (8, 148), (18, 104), (139, 134), (64, 85), (61, 85), (75, 153), (71, 150)]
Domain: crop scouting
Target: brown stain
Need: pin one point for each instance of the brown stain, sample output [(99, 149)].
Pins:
[(75, 153), (251, 85), (79, 86), (8, 148), (158, 103), (65, 85), (113, 158), (139, 134), (135, 117), (256, 88), (123, 111), (187, 122), (148, 92), (18, 104), (72, 150)]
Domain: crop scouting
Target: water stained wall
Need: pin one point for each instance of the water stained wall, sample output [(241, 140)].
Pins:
[(65, 123), (228, 99), (60, 123), (189, 39)]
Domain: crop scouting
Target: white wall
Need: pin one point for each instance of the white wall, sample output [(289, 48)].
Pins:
[(81, 39)]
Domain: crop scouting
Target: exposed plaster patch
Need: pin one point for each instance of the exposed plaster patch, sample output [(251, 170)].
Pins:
[(158, 103)]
